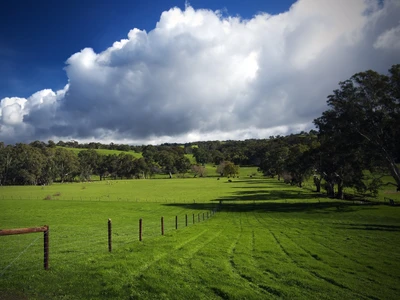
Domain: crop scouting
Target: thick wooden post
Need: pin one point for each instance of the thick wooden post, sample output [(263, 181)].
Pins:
[(140, 229), (46, 248), (176, 222), (44, 229), (162, 225), (186, 219), (109, 235)]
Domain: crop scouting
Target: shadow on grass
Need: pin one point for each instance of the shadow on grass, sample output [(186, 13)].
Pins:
[(267, 207), (256, 195), (374, 227), (265, 199)]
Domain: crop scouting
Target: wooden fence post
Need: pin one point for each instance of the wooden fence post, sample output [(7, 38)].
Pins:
[(109, 235), (186, 219), (176, 222), (44, 229), (193, 218), (46, 248), (162, 225), (140, 229)]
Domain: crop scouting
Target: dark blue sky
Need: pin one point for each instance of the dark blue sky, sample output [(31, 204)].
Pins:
[(37, 37)]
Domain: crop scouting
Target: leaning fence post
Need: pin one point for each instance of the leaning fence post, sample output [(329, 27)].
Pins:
[(176, 222), (140, 229), (109, 235), (46, 248), (162, 225)]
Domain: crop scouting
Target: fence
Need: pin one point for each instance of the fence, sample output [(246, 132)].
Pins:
[(44, 229), (206, 216), (81, 243)]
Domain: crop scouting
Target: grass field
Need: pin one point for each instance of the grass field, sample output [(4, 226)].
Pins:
[(268, 240), (105, 151)]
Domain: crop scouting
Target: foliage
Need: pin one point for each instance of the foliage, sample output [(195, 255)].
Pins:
[(200, 171), (227, 168), (361, 129)]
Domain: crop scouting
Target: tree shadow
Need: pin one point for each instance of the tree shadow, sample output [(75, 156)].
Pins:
[(269, 195), (274, 197), (374, 227), (268, 207)]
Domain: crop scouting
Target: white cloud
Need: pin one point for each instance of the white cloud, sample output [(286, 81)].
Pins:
[(200, 76), (390, 39), (12, 110)]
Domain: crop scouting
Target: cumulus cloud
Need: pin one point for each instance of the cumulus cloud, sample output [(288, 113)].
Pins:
[(199, 75)]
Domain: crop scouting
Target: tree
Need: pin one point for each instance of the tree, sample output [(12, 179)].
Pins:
[(364, 114), (6, 159), (88, 160), (182, 165), (199, 170), (275, 156), (227, 168), (66, 164), (201, 155), (297, 163), (140, 168)]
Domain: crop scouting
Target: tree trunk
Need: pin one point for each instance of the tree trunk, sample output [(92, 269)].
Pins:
[(394, 171), (317, 182), (340, 194), (329, 186)]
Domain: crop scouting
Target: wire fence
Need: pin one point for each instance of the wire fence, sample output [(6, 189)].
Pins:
[(70, 243)]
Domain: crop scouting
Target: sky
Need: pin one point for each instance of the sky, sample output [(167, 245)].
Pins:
[(142, 72)]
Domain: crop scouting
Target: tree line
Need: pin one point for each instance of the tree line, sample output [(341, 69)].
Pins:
[(40, 163), (356, 143)]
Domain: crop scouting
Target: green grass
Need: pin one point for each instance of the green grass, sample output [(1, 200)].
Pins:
[(105, 151), (268, 240)]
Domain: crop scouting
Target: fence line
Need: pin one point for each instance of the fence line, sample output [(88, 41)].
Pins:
[(44, 229), (85, 240)]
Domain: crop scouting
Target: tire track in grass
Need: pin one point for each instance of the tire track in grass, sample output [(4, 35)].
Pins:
[(313, 273), (189, 254), (259, 289), (163, 255), (329, 249), (264, 287), (329, 265), (350, 258), (264, 226)]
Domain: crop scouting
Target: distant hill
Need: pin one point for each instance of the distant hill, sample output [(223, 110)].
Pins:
[(104, 151)]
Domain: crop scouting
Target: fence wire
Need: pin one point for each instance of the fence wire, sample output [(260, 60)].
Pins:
[(80, 243)]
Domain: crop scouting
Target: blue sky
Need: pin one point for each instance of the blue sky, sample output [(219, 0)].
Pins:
[(37, 37), (173, 71)]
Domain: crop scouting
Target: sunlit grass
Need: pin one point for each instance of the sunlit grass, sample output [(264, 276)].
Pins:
[(269, 240)]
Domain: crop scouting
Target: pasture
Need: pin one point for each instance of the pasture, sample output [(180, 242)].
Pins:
[(268, 240)]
